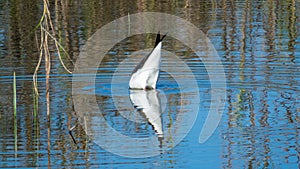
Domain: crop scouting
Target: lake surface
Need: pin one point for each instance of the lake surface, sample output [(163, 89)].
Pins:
[(258, 45)]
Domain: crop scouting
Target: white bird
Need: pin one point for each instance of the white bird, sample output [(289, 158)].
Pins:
[(145, 74)]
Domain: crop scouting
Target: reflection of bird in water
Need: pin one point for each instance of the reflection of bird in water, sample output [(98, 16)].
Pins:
[(146, 73), (148, 103)]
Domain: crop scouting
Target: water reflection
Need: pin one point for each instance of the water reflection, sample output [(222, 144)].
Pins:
[(148, 103)]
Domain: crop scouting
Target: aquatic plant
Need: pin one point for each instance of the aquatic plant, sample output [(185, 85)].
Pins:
[(15, 113), (47, 32), (15, 95)]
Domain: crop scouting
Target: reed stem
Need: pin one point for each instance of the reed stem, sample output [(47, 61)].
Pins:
[(15, 95), (15, 114)]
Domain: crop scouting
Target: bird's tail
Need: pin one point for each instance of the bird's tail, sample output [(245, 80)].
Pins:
[(158, 39)]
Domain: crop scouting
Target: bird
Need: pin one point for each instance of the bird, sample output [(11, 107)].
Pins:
[(146, 73)]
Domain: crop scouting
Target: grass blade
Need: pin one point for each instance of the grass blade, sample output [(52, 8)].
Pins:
[(15, 95)]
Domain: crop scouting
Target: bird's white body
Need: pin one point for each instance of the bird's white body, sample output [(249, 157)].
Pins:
[(146, 74)]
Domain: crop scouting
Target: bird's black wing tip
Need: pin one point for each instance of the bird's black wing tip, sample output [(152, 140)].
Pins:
[(163, 37), (158, 39)]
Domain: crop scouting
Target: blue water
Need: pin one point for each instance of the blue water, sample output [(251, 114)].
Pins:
[(258, 46)]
